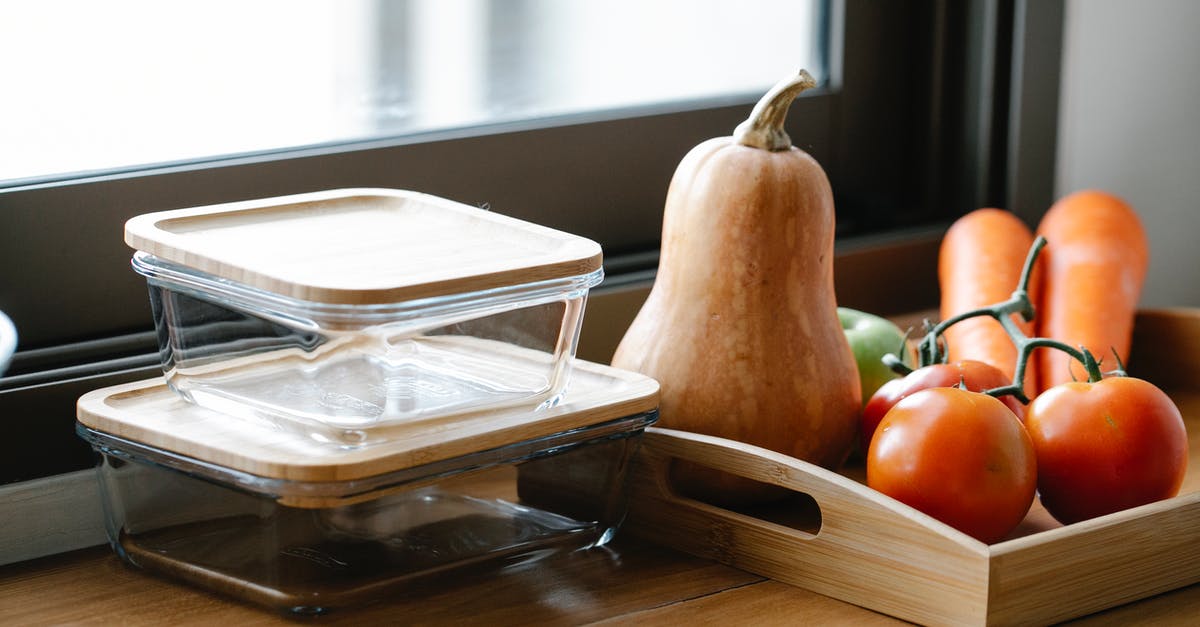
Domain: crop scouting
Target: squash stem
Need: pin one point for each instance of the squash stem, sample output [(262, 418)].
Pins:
[(764, 128)]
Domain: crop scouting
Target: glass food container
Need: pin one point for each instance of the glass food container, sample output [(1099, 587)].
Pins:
[(344, 311), (276, 518)]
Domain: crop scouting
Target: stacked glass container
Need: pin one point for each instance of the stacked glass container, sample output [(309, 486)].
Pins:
[(360, 387)]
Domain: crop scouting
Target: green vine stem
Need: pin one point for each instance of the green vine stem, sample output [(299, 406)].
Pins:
[(930, 349)]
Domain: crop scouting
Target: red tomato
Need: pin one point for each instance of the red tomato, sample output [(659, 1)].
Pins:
[(1106, 446), (976, 375), (959, 456)]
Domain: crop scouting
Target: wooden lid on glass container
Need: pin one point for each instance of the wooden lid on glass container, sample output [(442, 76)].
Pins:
[(362, 246), (150, 414)]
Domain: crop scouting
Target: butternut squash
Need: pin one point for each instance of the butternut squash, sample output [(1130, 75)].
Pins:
[(740, 328)]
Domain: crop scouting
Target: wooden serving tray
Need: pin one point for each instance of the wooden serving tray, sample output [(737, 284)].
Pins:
[(855, 544)]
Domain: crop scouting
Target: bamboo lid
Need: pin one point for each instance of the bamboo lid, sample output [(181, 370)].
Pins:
[(362, 246), (149, 413)]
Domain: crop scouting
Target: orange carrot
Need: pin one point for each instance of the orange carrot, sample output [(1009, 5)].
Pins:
[(1094, 266), (979, 264)]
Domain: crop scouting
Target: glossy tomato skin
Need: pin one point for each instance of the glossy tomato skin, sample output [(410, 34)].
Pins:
[(959, 456), (1106, 446), (976, 375)]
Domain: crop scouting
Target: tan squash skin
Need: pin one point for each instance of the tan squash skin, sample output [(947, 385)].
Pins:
[(741, 327)]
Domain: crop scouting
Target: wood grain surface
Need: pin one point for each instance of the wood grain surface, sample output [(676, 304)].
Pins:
[(94, 587), (630, 582), (148, 412), (362, 246)]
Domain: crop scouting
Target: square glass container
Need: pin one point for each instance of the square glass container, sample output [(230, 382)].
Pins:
[(340, 312), (275, 518)]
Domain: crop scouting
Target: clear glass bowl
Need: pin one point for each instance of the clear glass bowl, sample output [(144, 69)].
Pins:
[(337, 371)]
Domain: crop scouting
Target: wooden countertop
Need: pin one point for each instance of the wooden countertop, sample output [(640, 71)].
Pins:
[(629, 581)]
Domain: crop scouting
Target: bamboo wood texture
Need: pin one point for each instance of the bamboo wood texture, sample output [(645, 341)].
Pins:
[(880, 554), (362, 246), (149, 413)]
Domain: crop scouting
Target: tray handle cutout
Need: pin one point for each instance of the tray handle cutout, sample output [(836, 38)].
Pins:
[(868, 549), (754, 492), (803, 498), (847, 507)]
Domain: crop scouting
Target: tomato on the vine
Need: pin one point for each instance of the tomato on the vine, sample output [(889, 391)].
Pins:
[(1105, 446), (977, 376), (962, 457)]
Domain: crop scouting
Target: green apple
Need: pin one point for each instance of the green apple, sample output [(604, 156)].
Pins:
[(872, 337)]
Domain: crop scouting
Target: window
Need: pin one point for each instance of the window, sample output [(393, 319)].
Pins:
[(899, 124), (125, 84)]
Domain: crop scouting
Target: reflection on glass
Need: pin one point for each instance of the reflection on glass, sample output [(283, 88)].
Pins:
[(100, 85)]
